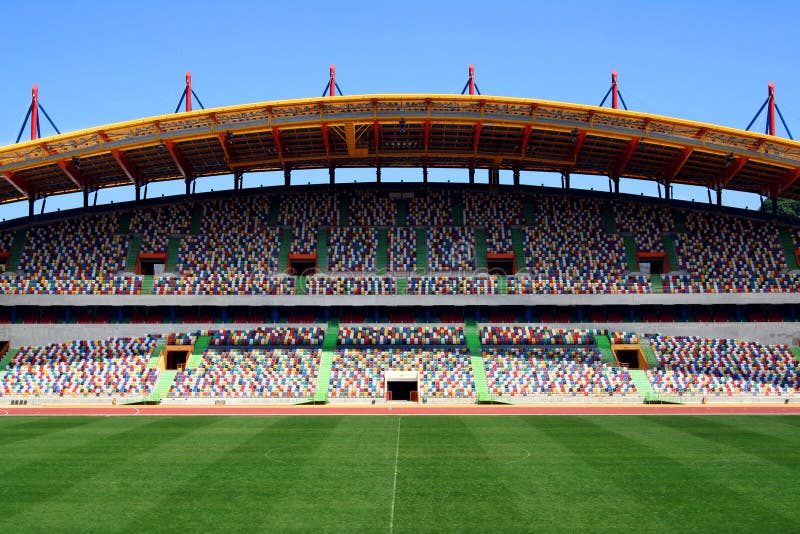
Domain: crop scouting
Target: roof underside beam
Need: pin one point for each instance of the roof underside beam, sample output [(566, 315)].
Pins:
[(126, 166), (75, 176), (785, 182), (17, 183), (526, 135), (576, 148), (184, 167), (476, 139), (622, 163), (730, 172), (224, 141), (677, 164)]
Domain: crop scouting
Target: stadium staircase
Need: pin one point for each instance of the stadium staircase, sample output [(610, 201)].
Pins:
[(649, 355), (402, 213), (630, 254), (161, 389), (794, 350), (458, 210), (200, 346), (300, 285), (381, 254), (172, 254), (283, 256), (604, 345), (147, 284), (502, 284), (322, 250), (134, 247), (152, 363), (274, 210), (326, 361), (4, 363), (680, 221), (642, 384), (480, 248), (656, 283), (197, 219), (788, 249), (530, 212), (402, 286), (15, 254), (125, 223), (422, 250), (609, 222), (476, 359), (671, 252), (518, 243), (344, 210)]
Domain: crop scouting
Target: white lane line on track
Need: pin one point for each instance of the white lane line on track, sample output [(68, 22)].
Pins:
[(394, 483), (5, 412)]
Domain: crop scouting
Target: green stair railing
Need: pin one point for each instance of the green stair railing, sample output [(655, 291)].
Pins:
[(344, 210), (609, 221), (326, 360), (788, 248), (422, 250), (125, 223), (530, 211), (17, 246), (671, 252), (383, 249), (402, 213), (134, 247), (197, 219), (7, 357), (476, 359), (173, 247), (458, 210), (322, 250), (283, 255), (480, 248), (631, 254), (274, 210)]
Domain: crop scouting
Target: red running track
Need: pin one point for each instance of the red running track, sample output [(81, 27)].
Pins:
[(637, 409)]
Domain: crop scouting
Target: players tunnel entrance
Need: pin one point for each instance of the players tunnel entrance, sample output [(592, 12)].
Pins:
[(652, 262), (402, 386), (302, 264), (630, 356), (151, 264), (175, 358), (504, 264)]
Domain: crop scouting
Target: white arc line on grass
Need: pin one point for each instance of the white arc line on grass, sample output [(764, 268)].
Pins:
[(394, 483)]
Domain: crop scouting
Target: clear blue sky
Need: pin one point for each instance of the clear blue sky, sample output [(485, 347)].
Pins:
[(103, 62)]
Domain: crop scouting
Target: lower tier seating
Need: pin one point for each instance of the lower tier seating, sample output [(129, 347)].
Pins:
[(520, 372), (442, 373), (266, 373)]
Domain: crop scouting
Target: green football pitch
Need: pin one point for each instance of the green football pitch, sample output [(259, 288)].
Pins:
[(408, 473)]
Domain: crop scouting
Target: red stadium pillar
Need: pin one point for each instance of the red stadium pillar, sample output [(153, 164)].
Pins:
[(333, 80), (471, 79), (614, 90), (189, 91), (34, 112), (771, 110)]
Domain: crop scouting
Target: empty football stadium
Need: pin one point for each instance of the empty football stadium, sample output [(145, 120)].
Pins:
[(392, 298)]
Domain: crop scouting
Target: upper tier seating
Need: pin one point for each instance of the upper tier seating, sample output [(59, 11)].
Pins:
[(499, 239), (442, 373), (352, 249), (647, 224), (306, 213), (692, 365), (568, 251), (624, 338), (453, 285), (724, 254), (106, 368), (368, 208), (269, 336), (521, 372), (486, 209), (433, 208), (265, 373), (351, 285), (534, 335), (451, 248), (235, 253), (401, 255), (402, 335), (157, 225), (75, 256), (6, 240)]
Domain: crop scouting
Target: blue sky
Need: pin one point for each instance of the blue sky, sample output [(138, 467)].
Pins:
[(103, 62)]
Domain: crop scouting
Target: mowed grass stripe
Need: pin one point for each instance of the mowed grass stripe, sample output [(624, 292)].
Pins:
[(465, 473)]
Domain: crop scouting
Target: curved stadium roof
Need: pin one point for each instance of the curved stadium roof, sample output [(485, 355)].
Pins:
[(415, 130)]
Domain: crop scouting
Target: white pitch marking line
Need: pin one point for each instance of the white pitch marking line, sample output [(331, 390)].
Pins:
[(394, 483)]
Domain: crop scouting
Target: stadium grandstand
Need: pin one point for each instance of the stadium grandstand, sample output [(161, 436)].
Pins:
[(414, 291)]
